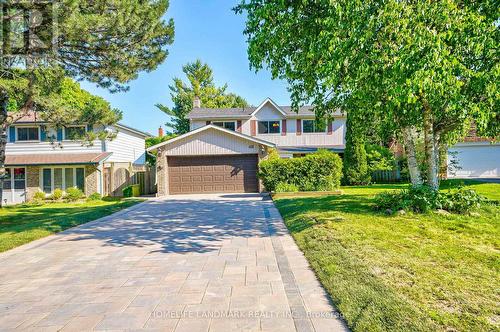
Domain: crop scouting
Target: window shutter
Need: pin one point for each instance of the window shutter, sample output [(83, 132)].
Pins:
[(43, 134), (299, 127), (253, 127), (238, 126), (59, 134), (12, 134), (283, 127), (330, 128)]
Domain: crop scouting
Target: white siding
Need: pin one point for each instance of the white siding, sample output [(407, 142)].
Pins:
[(209, 142), (46, 147), (127, 146), (308, 139), (269, 112), (476, 160)]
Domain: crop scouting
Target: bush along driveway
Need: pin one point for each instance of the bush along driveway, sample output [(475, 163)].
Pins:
[(25, 223), (419, 272)]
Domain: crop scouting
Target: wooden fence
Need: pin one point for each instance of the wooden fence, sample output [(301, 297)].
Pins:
[(119, 176), (390, 176)]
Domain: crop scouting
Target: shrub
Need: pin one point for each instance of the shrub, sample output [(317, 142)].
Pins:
[(57, 195), (74, 194), (317, 171), (416, 199), (94, 197), (423, 199), (283, 187), (461, 200), (39, 196), (133, 190)]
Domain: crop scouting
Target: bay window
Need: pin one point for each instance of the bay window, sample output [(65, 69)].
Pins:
[(62, 178)]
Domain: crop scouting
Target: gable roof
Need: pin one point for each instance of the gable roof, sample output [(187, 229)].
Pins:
[(207, 127), (247, 112), (269, 101)]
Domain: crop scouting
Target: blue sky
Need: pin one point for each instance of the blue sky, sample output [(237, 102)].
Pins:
[(204, 29)]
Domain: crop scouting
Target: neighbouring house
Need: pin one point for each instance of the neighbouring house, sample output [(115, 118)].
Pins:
[(40, 157), (222, 150), (476, 157)]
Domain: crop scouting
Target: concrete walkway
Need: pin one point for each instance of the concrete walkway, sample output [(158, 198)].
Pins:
[(186, 263)]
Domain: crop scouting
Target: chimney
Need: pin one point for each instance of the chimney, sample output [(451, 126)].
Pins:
[(160, 132), (196, 102)]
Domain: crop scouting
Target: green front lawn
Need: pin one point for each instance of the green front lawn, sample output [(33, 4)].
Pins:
[(402, 272), (24, 223)]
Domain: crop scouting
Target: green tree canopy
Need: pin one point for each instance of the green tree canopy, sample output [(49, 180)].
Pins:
[(200, 83), (424, 67), (107, 42)]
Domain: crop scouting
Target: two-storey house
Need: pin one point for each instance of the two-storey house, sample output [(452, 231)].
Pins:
[(222, 150), (40, 157)]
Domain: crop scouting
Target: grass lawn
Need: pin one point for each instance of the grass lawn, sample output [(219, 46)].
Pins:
[(24, 223), (402, 272)]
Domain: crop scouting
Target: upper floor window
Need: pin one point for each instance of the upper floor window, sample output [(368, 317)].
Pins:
[(74, 133), (231, 125), (28, 134), (313, 126), (269, 127)]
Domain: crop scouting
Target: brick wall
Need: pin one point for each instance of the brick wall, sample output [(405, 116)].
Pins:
[(162, 173), (32, 181), (91, 179)]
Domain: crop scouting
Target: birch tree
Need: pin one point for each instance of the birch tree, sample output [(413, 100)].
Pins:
[(428, 68)]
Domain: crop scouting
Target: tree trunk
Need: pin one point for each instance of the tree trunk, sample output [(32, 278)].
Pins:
[(3, 139), (409, 137), (431, 151)]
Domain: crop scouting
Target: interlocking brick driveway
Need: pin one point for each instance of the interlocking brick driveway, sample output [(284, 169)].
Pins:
[(187, 263)]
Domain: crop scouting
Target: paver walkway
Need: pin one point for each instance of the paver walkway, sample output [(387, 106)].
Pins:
[(186, 263)]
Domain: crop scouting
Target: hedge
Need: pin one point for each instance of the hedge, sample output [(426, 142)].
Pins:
[(319, 171)]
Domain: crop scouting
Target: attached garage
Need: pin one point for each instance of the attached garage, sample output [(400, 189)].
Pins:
[(475, 160), (210, 159), (213, 174)]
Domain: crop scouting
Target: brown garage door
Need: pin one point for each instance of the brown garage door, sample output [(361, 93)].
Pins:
[(212, 174)]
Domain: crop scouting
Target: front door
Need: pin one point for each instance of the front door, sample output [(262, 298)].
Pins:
[(14, 186)]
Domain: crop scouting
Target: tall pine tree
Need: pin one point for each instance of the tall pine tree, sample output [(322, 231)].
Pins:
[(200, 84)]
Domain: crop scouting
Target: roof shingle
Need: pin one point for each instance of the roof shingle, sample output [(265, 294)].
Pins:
[(56, 159)]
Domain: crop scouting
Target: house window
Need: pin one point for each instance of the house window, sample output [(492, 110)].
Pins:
[(27, 134), (47, 180), (74, 133), (7, 184), (62, 178), (313, 126), (269, 127), (231, 125), (19, 178)]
